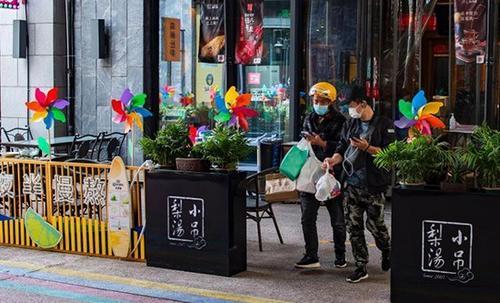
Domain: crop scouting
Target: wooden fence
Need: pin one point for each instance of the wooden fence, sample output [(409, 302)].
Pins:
[(72, 197)]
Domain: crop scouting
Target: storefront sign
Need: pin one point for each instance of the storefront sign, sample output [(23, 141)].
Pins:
[(470, 30), (12, 4), (249, 47), (171, 39), (212, 36)]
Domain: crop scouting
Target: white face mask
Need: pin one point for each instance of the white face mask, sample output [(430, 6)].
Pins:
[(354, 113)]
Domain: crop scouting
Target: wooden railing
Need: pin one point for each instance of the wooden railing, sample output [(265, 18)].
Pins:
[(72, 197)]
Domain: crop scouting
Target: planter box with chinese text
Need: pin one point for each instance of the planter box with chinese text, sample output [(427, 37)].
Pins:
[(196, 221), (445, 247)]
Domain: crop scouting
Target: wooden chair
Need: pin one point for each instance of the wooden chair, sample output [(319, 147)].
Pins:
[(257, 208), (110, 145)]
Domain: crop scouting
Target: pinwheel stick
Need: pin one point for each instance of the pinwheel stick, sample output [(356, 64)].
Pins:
[(50, 145)]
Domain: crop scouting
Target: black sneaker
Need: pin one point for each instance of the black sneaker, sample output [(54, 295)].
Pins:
[(358, 275), (386, 260), (340, 261), (308, 262)]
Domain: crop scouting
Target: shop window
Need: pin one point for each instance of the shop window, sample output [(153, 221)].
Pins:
[(264, 66)]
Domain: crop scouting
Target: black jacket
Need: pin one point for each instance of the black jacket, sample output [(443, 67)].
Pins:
[(383, 134), (328, 129)]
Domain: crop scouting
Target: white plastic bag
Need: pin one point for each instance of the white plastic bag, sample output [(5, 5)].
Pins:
[(328, 187), (310, 173)]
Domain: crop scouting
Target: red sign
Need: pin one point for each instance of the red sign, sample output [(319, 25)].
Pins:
[(249, 48), (253, 78), (406, 19), (12, 4)]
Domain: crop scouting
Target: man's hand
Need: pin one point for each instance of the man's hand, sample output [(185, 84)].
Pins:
[(315, 139), (331, 162), (361, 144)]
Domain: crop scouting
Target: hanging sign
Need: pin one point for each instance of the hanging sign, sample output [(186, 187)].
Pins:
[(12, 4), (212, 36), (249, 47), (470, 31), (171, 39)]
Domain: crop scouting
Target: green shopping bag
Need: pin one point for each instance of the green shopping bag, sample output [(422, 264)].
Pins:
[(294, 160)]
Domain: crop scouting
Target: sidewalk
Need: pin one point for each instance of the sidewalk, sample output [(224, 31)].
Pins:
[(54, 277)]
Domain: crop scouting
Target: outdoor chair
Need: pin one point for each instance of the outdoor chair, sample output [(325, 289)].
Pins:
[(110, 145), (83, 149), (17, 134), (257, 208)]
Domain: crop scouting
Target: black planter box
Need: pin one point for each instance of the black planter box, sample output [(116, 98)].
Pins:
[(446, 247), (196, 221)]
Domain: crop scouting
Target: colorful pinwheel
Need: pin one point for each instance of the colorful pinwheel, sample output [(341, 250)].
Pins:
[(233, 108), (187, 99), (166, 93), (129, 109), (419, 114), (47, 107)]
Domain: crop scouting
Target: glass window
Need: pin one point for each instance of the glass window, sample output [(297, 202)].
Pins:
[(269, 80), (332, 41)]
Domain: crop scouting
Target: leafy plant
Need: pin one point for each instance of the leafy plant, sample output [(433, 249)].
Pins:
[(483, 156), (171, 142), (224, 148), (456, 165), (414, 161)]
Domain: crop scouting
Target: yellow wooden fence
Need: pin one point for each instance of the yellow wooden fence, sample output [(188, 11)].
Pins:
[(72, 197)]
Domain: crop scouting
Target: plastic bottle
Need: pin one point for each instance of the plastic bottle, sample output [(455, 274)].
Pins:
[(453, 122)]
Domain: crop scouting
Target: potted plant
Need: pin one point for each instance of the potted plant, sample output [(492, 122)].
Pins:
[(457, 170), (170, 143), (483, 156), (414, 161), (225, 148)]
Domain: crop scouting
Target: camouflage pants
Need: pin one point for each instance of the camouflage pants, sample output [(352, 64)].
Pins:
[(358, 201)]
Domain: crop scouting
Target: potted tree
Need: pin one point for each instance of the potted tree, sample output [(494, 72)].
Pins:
[(170, 143), (483, 156), (414, 161)]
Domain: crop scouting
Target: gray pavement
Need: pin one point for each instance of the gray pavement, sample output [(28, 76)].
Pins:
[(270, 273)]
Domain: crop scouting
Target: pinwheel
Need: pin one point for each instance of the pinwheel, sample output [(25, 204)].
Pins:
[(166, 93), (419, 114), (187, 99), (47, 107), (233, 108), (129, 109)]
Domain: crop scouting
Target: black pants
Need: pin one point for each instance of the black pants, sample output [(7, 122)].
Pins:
[(310, 207)]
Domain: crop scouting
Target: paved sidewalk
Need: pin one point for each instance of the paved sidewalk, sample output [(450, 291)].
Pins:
[(37, 276)]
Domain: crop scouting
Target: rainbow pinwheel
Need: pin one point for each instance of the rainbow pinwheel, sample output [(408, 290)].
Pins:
[(233, 108), (419, 114), (47, 107), (166, 93), (129, 109), (187, 99)]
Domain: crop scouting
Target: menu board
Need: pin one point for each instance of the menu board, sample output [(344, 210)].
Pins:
[(212, 35), (470, 31)]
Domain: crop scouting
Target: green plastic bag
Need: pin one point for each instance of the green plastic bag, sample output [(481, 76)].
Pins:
[(294, 160)]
